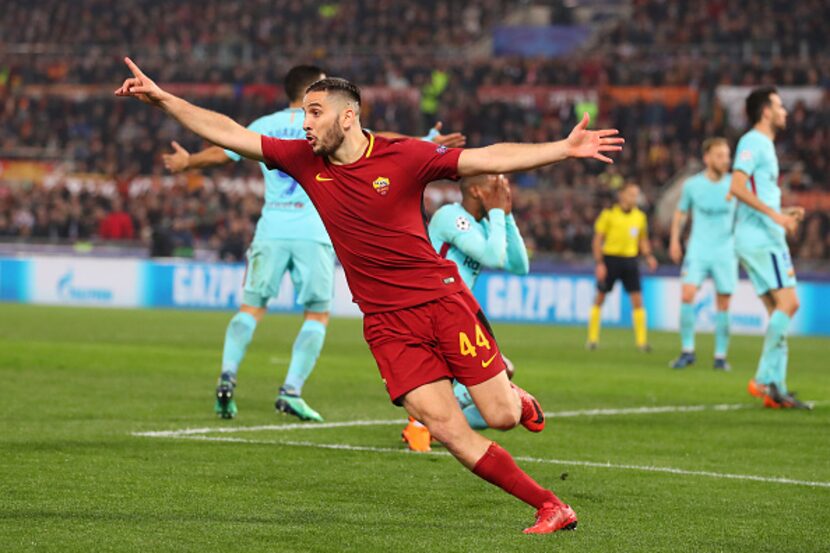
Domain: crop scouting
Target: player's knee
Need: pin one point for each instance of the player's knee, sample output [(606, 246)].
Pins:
[(794, 305), (505, 419), (502, 415)]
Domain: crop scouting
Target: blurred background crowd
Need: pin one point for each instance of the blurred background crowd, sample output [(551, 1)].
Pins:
[(654, 69)]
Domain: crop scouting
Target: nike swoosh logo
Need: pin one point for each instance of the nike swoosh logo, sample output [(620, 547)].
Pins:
[(485, 364), (540, 416), (322, 179)]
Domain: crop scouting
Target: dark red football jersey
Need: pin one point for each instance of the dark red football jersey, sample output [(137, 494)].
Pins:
[(372, 209)]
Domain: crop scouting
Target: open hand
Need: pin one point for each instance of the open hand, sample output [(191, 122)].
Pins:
[(178, 160), (584, 143), (141, 86), (452, 140)]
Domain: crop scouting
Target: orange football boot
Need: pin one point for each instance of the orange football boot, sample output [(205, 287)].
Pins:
[(756, 389), (551, 518), (416, 436)]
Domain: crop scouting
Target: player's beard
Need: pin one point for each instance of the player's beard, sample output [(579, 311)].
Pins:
[(330, 141)]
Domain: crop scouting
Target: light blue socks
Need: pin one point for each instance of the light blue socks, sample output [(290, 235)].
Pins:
[(687, 327), (773, 364), (304, 355), (237, 337), (721, 334)]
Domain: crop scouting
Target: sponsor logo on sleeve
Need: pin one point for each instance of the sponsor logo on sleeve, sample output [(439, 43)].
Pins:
[(462, 223)]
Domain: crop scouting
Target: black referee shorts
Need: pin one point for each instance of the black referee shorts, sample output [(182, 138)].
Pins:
[(625, 269)]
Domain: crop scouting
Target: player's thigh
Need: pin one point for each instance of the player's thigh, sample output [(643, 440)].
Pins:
[(312, 272), (630, 275), (267, 262), (465, 339), (725, 276)]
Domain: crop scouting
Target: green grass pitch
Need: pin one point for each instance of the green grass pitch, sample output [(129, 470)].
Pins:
[(77, 384)]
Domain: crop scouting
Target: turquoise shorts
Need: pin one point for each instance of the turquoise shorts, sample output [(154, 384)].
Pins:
[(768, 269), (311, 265), (724, 272)]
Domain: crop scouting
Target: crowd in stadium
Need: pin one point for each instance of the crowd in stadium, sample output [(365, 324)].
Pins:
[(555, 206)]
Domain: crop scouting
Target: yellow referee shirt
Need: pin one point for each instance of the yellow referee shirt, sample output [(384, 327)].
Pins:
[(622, 231)]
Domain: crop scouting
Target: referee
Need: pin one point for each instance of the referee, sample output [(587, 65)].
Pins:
[(620, 235)]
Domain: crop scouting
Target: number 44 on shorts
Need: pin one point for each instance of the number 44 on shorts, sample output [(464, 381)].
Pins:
[(466, 346)]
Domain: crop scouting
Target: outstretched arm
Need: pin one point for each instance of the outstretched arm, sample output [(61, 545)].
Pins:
[(451, 140), (213, 127), (181, 160), (509, 158)]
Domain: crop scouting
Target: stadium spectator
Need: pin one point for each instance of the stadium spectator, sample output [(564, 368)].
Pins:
[(115, 223)]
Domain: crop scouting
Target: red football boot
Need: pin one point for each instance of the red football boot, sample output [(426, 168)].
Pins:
[(551, 518), (533, 418)]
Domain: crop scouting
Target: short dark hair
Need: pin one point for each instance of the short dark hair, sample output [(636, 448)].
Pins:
[(337, 85), (298, 78), (757, 100)]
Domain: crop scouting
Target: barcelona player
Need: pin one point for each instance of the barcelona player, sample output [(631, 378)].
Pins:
[(761, 244), (423, 326), (710, 251)]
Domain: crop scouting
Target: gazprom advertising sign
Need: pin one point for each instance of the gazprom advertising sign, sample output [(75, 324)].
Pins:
[(540, 298)]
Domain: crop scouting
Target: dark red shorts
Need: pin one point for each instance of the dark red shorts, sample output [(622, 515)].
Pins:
[(445, 338)]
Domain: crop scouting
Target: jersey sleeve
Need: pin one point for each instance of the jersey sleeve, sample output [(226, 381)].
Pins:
[(517, 261), (491, 251), (429, 162), (258, 126), (643, 226), (286, 155), (685, 203), (601, 224), (746, 156)]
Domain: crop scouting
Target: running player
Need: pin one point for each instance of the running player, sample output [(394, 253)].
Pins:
[(710, 251), (620, 235), (290, 237), (478, 232), (422, 325), (761, 244)]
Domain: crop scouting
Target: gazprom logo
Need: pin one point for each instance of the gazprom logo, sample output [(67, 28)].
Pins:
[(68, 290)]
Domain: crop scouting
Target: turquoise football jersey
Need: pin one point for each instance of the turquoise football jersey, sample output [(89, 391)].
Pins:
[(287, 212), (713, 216), (493, 242), (755, 156)]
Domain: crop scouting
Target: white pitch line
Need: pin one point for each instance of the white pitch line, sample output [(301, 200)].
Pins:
[(394, 422), (591, 464)]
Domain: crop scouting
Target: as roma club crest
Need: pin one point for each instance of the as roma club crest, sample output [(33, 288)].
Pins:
[(381, 185)]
